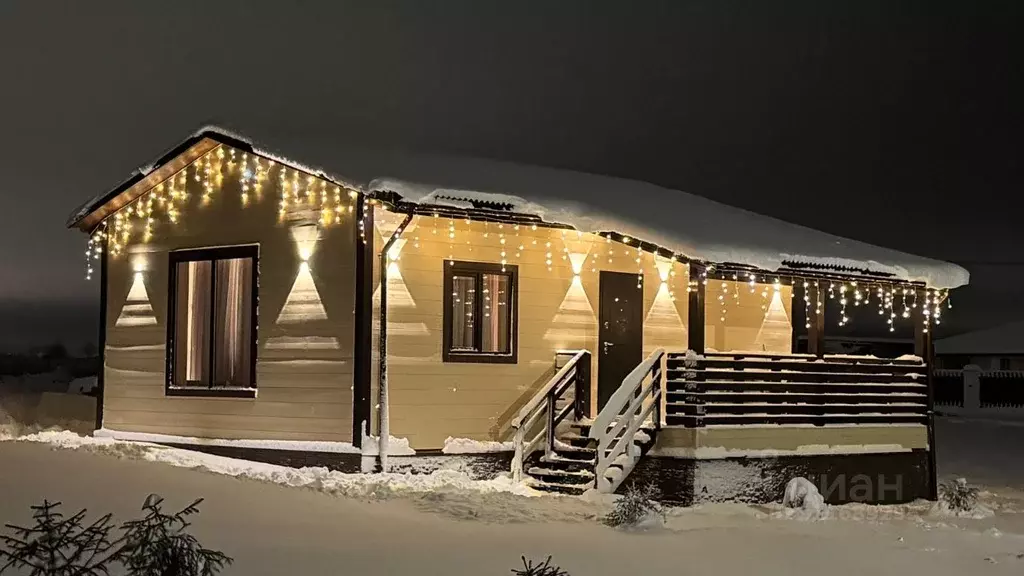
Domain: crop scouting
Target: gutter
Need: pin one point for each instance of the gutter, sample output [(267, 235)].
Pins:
[(382, 347)]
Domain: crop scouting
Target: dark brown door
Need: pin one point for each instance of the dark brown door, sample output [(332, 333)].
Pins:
[(620, 335)]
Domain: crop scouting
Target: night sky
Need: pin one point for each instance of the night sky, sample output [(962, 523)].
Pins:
[(896, 123)]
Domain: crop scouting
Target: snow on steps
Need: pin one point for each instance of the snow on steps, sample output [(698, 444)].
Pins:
[(570, 469)]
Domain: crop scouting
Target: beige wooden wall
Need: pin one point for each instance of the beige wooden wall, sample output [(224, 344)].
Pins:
[(304, 360), (431, 400), (755, 320)]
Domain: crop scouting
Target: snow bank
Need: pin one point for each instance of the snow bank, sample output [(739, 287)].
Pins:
[(396, 446), (467, 446), (305, 446), (317, 478), (803, 496)]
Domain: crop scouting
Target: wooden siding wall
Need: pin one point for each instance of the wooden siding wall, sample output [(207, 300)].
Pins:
[(431, 400), (304, 365), (747, 326)]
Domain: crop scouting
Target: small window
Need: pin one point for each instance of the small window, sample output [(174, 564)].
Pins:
[(480, 312), (211, 334), (1005, 364)]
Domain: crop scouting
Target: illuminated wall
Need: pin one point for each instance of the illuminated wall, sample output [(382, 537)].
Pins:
[(306, 298), (558, 309), (749, 318)]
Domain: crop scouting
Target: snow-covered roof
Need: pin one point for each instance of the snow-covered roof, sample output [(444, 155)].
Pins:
[(1003, 339), (686, 224)]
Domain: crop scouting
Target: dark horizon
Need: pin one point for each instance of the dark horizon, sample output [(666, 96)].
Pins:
[(890, 123)]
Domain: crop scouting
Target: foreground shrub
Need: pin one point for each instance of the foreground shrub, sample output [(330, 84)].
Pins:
[(156, 545), (545, 569), (635, 506), (958, 496)]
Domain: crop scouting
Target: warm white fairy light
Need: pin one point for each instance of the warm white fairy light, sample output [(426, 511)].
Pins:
[(721, 299), (807, 306)]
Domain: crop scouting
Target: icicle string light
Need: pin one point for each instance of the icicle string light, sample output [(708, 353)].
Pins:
[(166, 200)]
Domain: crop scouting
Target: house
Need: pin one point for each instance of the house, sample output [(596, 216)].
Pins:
[(581, 331), (997, 348)]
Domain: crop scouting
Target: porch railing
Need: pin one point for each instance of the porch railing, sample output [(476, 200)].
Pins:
[(615, 427), (758, 389), (536, 423)]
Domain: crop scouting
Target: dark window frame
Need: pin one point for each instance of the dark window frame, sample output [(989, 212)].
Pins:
[(478, 269), (175, 257)]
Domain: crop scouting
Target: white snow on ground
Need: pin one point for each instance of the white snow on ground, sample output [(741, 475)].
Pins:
[(467, 446), (333, 447), (396, 446), (471, 530), (317, 478)]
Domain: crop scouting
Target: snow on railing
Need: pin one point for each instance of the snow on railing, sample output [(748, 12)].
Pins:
[(543, 409), (638, 397)]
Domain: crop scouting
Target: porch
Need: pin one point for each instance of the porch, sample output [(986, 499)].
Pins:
[(719, 405)]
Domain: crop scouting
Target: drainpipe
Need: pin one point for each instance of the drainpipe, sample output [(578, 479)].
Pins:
[(382, 347)]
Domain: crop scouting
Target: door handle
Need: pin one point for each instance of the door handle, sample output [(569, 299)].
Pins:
[(606, 345)]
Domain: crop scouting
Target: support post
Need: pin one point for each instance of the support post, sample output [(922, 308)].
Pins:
[(582, 392), (363, 317), (923, 348), (382, 350), (696, 308), (816, 321), (101, 346)]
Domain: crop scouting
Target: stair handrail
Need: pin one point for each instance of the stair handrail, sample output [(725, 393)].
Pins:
[(575, 375), (624, 413)]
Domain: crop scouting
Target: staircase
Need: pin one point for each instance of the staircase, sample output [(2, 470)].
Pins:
[(571, 456), (571, 467)]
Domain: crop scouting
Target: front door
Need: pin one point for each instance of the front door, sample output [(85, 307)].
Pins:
[(620, 334)]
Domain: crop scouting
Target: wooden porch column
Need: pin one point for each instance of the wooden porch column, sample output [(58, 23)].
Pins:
[(815, 321), (696, 311), (923, 348)]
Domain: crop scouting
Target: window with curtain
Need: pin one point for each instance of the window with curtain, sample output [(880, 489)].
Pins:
[(480, 312), (212, 332)]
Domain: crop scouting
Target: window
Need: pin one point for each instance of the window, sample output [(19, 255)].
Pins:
[(1004, 364), (480, 312), (211, 332)]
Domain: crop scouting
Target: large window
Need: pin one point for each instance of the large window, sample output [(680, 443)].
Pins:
[(479, 312), (211, 333)]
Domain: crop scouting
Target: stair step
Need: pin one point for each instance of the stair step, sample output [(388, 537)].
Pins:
[(567, 464), (576, 453), (577, 440), (573, 489), (552, 476)]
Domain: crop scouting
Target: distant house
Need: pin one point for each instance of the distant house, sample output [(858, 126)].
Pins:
[(998, 348), (577, 330)]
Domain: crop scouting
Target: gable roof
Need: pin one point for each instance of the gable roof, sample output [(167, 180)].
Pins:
[(686, 224), (1002, 339)]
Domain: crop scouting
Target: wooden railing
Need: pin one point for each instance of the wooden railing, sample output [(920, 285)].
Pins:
[(615, 427), (536, 423), (737, 389)]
